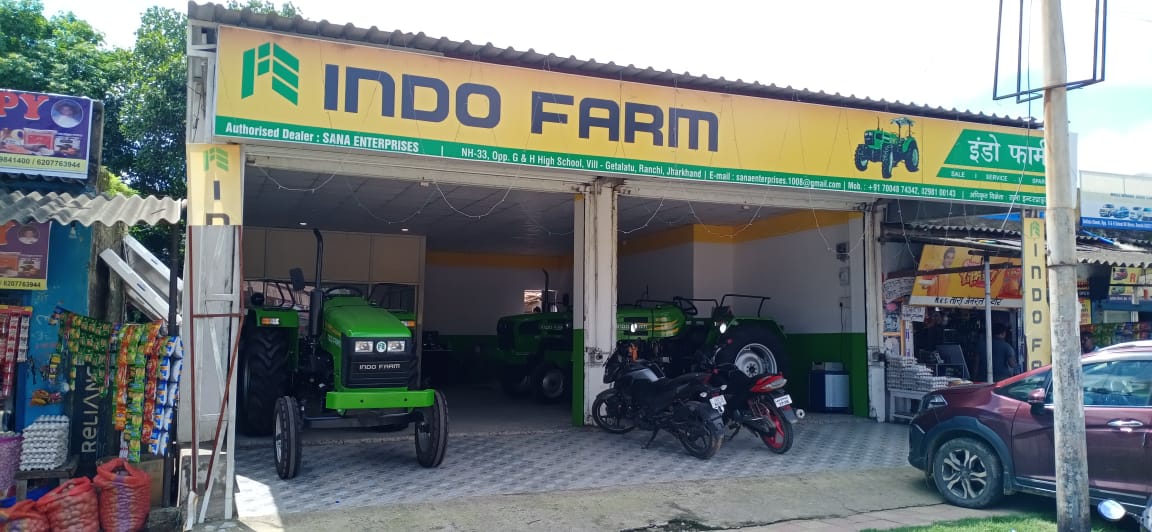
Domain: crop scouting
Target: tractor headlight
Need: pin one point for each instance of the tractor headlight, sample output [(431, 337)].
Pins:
[(396, 346), (362, 346), (723, 327), (632, 328)]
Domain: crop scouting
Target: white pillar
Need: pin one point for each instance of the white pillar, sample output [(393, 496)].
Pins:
[(874, 311), (597, 244)]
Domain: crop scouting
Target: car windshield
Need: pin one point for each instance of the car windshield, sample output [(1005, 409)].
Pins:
[(1020, 389)]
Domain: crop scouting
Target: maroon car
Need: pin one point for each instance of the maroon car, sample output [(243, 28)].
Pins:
[(980, 442)]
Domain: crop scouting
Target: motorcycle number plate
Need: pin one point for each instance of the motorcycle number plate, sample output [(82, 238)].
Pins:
[(718, 401), (783, 400)]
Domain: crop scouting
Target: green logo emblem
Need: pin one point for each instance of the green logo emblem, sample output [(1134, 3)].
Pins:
[(270, 58), (218, 156), (1035, 229)]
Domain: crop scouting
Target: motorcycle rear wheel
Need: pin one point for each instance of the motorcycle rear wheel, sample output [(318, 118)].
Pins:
[(699, 441), (608, 413), (780, 441)]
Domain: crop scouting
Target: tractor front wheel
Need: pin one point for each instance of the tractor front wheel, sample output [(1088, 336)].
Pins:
[(432, 433), (286, 433), (550, 383), (887, 161), (263, 377), (861, 158)]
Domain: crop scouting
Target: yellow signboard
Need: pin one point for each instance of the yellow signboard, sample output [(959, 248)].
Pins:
[(215, 184), (322, 93), (1037, 324), (964, 289)]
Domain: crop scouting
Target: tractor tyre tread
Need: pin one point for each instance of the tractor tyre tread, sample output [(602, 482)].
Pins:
[(265, 358)]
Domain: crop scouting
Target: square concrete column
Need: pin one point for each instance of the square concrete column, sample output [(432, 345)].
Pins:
[(594, 283)]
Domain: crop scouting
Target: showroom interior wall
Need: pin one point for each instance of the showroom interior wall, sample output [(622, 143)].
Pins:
[(792, 259), (467, 293), (659, 266)]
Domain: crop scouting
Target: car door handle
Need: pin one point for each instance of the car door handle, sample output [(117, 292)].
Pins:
[(1124, 423)]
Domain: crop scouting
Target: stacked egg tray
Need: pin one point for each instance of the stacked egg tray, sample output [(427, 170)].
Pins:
[(45, 444), (904, 373)]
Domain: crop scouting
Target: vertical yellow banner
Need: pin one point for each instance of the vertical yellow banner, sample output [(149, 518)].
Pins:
[(215, 184), (1037, 328)]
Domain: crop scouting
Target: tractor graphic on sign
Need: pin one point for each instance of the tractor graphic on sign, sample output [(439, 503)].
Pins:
[(889, 148)]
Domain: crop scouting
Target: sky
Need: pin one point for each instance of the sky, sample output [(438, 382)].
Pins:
[(934, 52)]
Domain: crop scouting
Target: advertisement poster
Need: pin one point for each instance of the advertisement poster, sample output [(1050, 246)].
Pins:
[(293, 89), (44, 134), (1113, 201), (24, 256), (965, 289)]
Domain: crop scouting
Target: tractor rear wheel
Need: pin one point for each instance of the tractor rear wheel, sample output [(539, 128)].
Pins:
[(432, 433), (755, 350), (912, 157), (286, 435), (263, 377)]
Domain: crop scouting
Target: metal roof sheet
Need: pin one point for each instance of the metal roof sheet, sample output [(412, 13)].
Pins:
[(490, 53), (1089, 249), (86, 209)]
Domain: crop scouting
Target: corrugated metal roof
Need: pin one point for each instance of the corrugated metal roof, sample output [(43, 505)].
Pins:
[(1115, 257), (1089, 249), (490, 53), (86, 209)]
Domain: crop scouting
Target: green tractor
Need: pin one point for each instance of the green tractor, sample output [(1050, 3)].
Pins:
[(682, 336), (537, 348), (352, 364), (889, 149)]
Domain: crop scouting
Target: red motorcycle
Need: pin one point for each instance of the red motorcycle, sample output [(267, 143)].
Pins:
[(758, 403)]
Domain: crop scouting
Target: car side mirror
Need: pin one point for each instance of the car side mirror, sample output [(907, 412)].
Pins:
[(1036, 398)]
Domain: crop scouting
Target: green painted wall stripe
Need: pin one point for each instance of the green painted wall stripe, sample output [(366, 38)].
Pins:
[(578, 377), (256, 129)]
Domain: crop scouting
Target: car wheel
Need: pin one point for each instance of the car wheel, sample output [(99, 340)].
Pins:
[(967, 473)]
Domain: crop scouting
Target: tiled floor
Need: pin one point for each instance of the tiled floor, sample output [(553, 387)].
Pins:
[(368, 474)]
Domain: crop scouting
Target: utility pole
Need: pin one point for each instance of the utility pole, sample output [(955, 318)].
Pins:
[(1073, 512)]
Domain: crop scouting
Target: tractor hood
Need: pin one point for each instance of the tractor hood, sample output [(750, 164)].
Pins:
[(355, 317)]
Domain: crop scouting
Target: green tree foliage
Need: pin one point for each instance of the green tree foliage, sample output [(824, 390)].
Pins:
[(144, 89), (61, 54)]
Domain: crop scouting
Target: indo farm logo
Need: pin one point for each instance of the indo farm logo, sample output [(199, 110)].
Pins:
[(217, 156), (271, 59)]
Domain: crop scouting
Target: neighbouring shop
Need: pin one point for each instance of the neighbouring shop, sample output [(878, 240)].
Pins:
[(89, 370)]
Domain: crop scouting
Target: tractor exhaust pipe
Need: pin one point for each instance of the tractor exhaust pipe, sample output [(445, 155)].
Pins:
[(545, 305), (316, 301)]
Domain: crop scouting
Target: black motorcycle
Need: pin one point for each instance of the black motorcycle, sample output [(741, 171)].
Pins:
[(642, 397), (758, 403)]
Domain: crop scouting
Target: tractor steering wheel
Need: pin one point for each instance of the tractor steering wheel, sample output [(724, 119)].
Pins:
[(685, 305), (343, 290)]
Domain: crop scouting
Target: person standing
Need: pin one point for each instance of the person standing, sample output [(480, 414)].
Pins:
[(1004, 361)]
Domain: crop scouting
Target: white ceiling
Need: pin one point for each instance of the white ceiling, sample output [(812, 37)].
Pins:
[(464, 219)]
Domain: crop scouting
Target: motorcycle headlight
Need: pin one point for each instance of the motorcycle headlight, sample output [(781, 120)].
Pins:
[(362, 346)]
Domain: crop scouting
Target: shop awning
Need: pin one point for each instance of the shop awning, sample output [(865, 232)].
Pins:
[(87, 209), (1090, 249)]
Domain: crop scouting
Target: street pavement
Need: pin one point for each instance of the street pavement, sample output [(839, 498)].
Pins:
[(358, 475), (827, 500)]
